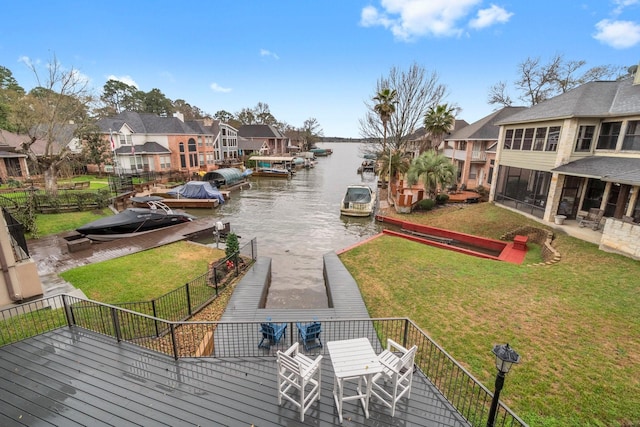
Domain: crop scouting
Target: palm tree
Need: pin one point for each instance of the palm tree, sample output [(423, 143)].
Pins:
[(439, 120), (435, 170), (395, 162), (386, 105)]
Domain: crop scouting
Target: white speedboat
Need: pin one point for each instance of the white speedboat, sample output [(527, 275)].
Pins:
[(359, 200)]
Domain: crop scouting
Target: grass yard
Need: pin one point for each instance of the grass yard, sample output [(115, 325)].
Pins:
[(143, 276), (576, 324), (58, 222)]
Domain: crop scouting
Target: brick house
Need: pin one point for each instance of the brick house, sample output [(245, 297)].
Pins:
[(276, 141), (472, 148), (148, 142)]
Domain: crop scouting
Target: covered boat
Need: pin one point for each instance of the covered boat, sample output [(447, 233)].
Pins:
[(133, 221), (359, 200), (196, 190), (225, 177)]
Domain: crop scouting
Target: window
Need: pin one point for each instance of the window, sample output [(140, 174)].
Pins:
[(541, 135), (492, 164), (201, 159), (552, 139), (585, 137), (126, 139), (609, 135), (165, 162), (527, 142), (632, 136), (508, 139), (517, 139)]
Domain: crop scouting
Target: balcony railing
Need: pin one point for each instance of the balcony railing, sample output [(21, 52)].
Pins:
[(239, 340)]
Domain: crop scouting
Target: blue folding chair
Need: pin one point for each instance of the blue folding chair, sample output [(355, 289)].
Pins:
[(272, 333), (309, 334)]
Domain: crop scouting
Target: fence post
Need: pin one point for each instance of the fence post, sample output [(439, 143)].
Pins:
[(406, 333), (173, 341), (186, 287), (116, 323), (68, 311), (155, 315)]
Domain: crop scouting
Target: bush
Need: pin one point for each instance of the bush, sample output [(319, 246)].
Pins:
[(483, 192), (426, 204), (233, 246), (441, 199)]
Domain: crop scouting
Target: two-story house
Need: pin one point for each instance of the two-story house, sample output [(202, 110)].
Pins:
[(276, 141), (576, 151), (148, 142), (472, 148)]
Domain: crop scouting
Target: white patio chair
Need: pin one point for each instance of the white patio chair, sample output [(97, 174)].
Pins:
[(396, 376), (299, 378)]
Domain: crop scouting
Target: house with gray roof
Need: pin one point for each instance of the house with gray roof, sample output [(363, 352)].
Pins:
[(472, 148), (276, 141), (575, 152), (13, 165), (148, 142)]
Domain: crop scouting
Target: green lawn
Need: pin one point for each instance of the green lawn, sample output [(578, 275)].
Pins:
[(576, 324), (145, 275)]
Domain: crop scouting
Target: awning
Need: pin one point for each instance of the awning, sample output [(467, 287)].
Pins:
[(610, 169)]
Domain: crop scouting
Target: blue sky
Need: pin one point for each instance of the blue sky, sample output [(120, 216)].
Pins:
[(306, 59)]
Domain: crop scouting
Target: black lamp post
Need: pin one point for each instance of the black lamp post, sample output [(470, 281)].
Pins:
[(505, 358)]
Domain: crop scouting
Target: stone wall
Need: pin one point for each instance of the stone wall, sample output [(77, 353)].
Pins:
[(621, 237), (540, 236)]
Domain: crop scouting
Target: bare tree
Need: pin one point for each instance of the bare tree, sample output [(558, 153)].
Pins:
[(498, 95), (54, 113), (417, 90), (540, 81), (537, 80)]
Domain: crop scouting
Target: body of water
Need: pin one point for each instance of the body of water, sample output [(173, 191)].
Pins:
[(296, 221)]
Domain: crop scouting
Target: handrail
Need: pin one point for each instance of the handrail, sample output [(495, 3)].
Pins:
[(240, 339)]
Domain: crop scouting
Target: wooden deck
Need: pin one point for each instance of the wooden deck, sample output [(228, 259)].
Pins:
[(73, 377)]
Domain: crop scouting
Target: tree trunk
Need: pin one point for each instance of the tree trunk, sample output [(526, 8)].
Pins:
[(51, 179)]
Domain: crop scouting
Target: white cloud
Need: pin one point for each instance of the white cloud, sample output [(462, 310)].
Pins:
[(265, 52), (124, 79), (621, 4), (618, 34), (490, 16), (410, 19), (217, 88)]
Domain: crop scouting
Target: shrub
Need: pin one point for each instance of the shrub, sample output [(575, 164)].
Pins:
[(426, 204), (233, 246), (441, 199), (483, 192)]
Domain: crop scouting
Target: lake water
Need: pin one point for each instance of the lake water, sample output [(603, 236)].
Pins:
[(296, 221)]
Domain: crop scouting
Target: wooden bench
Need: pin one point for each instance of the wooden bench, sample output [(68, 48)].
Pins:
[(520, 242)]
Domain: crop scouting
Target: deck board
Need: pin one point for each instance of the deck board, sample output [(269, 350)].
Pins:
[(71, 376)]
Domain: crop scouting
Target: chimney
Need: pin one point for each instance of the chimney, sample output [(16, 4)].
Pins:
[(207, 121), (179, 115), (633, 70)]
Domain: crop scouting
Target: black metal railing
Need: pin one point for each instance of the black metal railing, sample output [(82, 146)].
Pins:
[(240, 340), (181, 303), (16, 234)]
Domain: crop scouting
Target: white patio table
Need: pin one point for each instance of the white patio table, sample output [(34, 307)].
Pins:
[(353, 359)]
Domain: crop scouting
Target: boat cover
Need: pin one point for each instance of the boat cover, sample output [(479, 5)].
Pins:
[(357, 195), (197, 190)]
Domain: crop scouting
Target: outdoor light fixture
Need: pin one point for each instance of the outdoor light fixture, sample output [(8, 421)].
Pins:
[(505, 358)]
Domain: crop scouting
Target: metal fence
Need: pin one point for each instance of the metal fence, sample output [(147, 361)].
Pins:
[(240, 340), (183, 302), (16, 234)]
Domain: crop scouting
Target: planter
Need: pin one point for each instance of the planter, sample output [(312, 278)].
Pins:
[(560, 219)]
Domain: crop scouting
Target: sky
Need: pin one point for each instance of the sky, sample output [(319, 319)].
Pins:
[(311, 59)]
